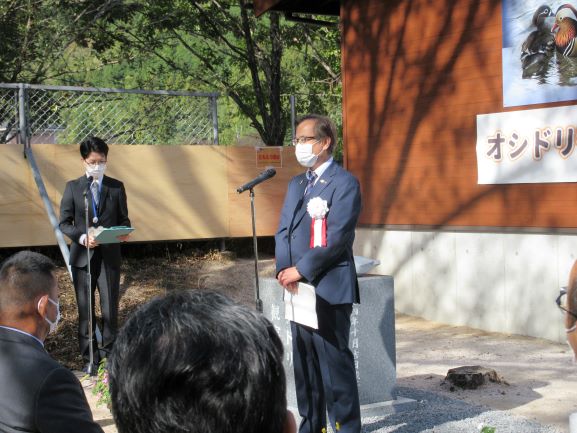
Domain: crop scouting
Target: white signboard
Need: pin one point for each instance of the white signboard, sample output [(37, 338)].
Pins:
[(531, 146)]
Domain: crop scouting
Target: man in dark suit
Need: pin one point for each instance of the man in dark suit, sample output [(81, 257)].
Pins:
[(36, 393), (107, 207), (321, 254)]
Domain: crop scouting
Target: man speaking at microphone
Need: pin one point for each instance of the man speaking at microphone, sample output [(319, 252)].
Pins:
[(314, 244), (107, 207)]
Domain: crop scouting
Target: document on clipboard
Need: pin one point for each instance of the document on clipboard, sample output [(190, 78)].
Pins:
[(109, 235), (301, 308)]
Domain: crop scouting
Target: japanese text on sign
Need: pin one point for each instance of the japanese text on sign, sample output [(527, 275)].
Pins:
[(530, 146), (269, 156)]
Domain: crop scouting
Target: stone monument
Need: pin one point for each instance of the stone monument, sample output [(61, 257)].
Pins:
[(372, 341)]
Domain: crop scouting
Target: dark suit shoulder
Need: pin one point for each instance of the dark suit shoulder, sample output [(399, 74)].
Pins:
[(24, 344), (106, 180), (61, 405), (77, 181), (111, 182)]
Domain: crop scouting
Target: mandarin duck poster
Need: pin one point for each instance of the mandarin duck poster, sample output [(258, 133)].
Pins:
[(539, 51)]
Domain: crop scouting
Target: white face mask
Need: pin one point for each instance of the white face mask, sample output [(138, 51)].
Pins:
[(52, 324), (304, 154), (95, 170)]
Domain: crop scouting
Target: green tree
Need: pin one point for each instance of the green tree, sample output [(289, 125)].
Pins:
[(177, 44), (220, 44), (36, 37)]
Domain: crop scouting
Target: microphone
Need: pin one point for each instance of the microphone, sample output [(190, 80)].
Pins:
[(267, 174)]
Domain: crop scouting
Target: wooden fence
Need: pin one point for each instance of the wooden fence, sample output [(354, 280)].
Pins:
[(174, 192)]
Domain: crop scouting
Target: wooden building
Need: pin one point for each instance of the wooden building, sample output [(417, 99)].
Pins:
[(416, 73)]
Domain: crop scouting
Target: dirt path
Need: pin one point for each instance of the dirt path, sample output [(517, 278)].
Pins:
[(541, 377)]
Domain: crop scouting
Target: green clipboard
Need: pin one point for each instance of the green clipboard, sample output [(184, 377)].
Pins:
[(108, 235)]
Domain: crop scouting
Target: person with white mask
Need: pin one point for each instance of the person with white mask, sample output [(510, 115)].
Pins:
[(314, 244), (37, 393), (107, 207)]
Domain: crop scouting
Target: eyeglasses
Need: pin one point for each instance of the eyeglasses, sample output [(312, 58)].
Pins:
[(560, 301), (93, 163), (302, 140)]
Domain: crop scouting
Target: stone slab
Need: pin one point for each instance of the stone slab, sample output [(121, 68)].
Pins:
[(372, 338)]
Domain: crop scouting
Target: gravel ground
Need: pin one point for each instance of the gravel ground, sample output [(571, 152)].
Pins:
[(433, 413), (439, 414)]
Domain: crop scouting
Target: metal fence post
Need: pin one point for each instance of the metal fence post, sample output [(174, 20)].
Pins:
[(48, 207), (24, 135), (23, 116), (214, 111), (292, 100)]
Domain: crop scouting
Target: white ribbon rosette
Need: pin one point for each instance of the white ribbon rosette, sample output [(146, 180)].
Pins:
[(318, 209)]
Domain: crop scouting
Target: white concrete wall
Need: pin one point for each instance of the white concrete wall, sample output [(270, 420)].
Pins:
[(503, 282)]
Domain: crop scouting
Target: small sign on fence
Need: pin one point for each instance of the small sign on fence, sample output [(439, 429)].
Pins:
[(269, 156)]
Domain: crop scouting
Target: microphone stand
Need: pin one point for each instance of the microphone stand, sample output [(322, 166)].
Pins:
[(91, 371), (258, 301)]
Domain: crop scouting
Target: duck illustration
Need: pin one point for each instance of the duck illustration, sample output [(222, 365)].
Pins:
[(565, 28), (541, 18), (539, 45)]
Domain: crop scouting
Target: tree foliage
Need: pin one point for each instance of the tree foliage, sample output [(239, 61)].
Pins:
[(220, 44), (36, 35), (178, 44)]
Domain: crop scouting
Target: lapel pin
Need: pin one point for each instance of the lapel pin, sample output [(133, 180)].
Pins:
[(323, 181)]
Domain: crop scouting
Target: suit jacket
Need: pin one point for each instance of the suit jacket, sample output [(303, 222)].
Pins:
[(112, 211), (38, 394), (330, 269)]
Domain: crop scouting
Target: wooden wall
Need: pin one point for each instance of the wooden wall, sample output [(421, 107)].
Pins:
[(415, 75), (174, 192)]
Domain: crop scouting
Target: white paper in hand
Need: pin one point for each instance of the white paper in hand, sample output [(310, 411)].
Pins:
[(301, 308)]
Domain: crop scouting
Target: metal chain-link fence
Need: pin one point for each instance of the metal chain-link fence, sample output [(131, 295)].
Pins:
[(8, 115), (329, 105), (67, 115)]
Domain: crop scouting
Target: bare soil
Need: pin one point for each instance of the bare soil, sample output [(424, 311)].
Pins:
[(144, 278), (538, 379)]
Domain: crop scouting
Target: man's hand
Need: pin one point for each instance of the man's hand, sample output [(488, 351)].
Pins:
[(293, 288), (123, 238), (91, 242), (289, 278)]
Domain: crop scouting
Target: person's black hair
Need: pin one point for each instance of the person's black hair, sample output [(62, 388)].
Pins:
[(93, 144), (196, 362), (324, 127), (25, 276)]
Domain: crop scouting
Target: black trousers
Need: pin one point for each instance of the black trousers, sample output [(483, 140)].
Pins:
[(325, 377), (107, 279)]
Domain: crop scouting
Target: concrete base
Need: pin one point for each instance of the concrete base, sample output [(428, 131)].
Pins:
[(372, 339), (400, 404), (390, 407), (474, 278)]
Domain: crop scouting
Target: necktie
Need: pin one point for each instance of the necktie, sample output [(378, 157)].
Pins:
[(94, 190), (312, 177)]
